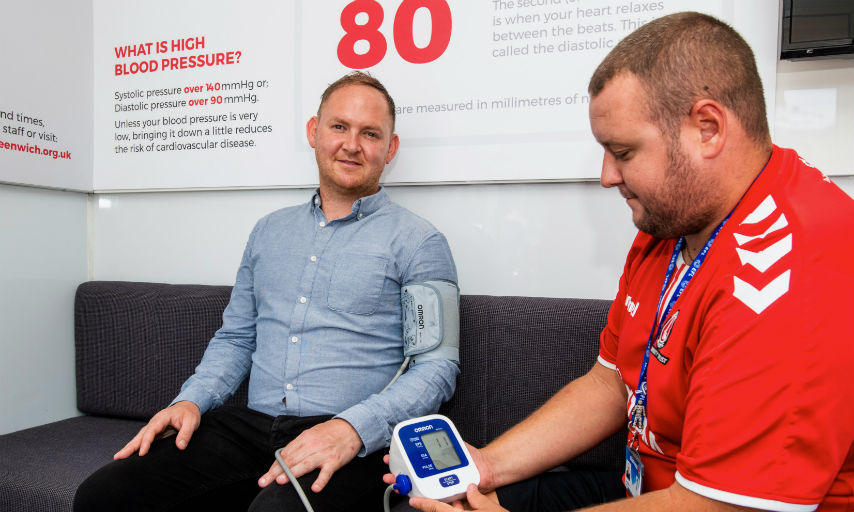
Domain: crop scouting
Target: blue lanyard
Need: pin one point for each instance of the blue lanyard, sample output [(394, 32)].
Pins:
[(639, 410)]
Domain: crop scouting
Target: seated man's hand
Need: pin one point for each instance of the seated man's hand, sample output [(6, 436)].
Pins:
[(182, 416), (328, 446)]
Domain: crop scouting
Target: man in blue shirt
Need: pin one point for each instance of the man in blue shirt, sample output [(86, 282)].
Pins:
[(315, 320)]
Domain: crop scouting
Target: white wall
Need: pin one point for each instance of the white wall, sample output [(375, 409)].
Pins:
[(522, 239), (46, 55), (42, 260), (815, 112), (557, 240)]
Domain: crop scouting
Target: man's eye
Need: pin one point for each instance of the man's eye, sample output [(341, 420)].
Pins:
[(622, 155), (372, 135)]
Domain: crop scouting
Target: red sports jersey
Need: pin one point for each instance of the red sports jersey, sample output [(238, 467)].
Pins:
[(751, 384)]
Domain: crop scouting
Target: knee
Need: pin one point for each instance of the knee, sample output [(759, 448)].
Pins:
[(278, 498), (87, 496), (102, 490)]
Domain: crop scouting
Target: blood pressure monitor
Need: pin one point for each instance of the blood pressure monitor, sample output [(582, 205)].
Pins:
[(429, 459)]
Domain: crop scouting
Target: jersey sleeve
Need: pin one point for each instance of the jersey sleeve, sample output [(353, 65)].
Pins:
[(769, 419), (608, 338)]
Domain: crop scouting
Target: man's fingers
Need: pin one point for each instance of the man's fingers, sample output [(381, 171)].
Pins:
[(183, 415), (185, 432), (282, 478), (478, 501), (181, 440), (131, 447), (322, 479), (272, 475), (146, 440), (157, 425), (428, 505), (327, 446)]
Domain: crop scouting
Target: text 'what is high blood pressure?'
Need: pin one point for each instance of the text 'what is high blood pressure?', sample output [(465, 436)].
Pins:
[(153, 56)]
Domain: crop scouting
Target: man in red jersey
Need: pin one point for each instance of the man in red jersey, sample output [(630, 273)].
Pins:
[(730, 346)]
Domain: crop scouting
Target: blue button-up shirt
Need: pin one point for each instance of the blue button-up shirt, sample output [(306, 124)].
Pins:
[(315, 319)]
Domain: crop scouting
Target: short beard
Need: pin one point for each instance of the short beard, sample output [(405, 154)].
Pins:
[(684, 205)]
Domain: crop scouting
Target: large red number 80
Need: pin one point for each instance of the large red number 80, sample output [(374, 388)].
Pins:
[(369, 31), (440, 35)]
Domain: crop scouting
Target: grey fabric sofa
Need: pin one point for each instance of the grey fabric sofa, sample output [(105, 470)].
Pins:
[(136, 343)]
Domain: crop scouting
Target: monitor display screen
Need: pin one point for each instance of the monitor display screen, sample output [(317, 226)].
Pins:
[(817, 28), (440, 449)]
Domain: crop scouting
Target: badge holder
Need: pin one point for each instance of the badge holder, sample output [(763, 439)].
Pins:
[(633, 479)]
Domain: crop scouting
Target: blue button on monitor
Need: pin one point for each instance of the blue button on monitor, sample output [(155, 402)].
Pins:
[(447, 481)]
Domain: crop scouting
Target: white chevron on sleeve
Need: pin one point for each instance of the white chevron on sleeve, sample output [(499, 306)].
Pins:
[(758, 300), (761, 212), (766, 257), (779, 224)]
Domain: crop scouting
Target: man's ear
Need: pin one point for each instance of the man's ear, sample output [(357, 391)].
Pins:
[(311, 131), (393, 144), (709, 120)]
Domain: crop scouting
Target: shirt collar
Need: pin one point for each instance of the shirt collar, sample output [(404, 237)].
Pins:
[(362, 207)]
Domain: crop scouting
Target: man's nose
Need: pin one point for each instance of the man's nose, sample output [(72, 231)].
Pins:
[(351, 142), (610, 175)]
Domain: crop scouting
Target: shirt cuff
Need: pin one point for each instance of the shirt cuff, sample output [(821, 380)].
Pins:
[(199, 397), (373, 431), (741, 500), (606, 364)]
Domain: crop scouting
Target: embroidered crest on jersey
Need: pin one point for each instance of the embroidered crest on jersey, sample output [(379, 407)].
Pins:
[(655, 350), (762, 258)]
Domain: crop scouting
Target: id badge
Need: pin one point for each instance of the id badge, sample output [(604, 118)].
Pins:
[(633, 479)]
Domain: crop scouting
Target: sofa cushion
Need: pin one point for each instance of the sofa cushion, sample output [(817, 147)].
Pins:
[(41, 467)]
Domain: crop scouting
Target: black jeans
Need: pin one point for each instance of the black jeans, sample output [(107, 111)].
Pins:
[(220, 468), (565, 490)]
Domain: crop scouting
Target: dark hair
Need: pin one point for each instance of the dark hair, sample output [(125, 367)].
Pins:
[(682, 58), (358, 78)]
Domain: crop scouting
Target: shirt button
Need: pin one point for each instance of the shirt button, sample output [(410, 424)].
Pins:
[(322, 223), (316, 201), (294, 339), (360, 215), (314, 258), (302, 300), (289, 386)]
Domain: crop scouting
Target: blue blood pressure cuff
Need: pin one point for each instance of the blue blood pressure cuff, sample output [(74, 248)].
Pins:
[(431, 320)]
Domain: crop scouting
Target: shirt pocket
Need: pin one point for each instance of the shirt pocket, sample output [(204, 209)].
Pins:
[(356, 283)]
